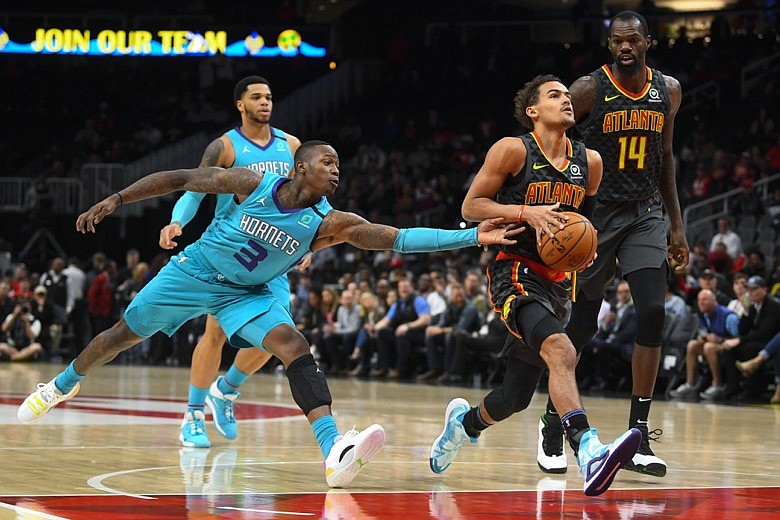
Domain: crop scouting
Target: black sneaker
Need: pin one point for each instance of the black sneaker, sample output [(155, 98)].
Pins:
[(550, 455), (645, 461)]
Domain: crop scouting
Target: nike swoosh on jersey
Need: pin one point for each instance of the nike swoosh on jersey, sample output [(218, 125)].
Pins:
[(610, 98), (539, 166)]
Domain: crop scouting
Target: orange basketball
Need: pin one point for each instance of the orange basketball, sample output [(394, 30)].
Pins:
[(573, 247)]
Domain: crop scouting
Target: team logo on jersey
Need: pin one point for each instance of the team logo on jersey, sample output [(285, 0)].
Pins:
[(575, 171), (305, 221), (246, 149), (280, 146), (655, 97), (262, 201)]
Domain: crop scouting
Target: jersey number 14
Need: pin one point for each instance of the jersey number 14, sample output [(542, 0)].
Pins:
[(632, 149)]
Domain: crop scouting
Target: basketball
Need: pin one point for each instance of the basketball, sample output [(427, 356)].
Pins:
[(572, 247)]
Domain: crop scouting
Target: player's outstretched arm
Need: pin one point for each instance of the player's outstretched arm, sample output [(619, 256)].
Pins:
[(339, 227), (240, 181)]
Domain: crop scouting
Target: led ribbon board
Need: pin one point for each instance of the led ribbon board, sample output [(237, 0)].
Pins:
[(108, 42)]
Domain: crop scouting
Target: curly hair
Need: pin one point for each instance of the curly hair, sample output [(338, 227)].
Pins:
[(529, 95)]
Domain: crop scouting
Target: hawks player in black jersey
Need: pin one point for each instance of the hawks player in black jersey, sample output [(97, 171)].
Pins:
[(527, 179), (626, 112)]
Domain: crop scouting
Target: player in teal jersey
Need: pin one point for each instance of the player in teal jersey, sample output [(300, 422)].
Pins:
[(258, 146), (273, 223)]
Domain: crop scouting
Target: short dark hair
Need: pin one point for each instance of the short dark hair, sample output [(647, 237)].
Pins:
[(242, 85), (303, 151), (529, 95), (626, 16)]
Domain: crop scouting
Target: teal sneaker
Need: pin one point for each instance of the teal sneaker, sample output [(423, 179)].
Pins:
[(193, 430), (221, 406), (599, 463), (445, 448)]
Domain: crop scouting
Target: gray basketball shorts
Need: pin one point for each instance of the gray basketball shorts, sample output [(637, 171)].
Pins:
[(631, 234)]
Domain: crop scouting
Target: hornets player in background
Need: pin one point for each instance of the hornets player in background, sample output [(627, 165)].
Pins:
[(626, 111), (272, 224), (258, 146), (527, 179)]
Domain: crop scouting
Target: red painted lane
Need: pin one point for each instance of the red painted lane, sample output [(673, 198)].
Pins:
[(688, 504)]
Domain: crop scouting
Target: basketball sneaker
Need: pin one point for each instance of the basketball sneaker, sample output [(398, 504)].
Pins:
[(221, 406), (193, 430), (351, 452), (445, 448), (550, 455), (40, 402), (645, 461), (599, 463)]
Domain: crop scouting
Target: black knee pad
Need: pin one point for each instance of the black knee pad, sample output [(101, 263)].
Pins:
[(516, 392), (308, 384), (583, 323), (648, 290)]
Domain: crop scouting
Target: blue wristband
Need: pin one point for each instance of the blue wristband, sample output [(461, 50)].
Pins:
[(426, 240)]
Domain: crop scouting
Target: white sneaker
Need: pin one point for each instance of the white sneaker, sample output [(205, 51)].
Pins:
[(351, 452), (550, 452), (42, 400)]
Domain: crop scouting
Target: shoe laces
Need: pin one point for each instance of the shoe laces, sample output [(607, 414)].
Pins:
[(647, 436), (196, 426), (48, 392)]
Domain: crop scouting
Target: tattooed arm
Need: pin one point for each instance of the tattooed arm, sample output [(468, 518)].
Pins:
[(239, 181)]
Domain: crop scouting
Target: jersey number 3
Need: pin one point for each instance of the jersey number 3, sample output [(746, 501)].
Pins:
[(250, 258), (633, 149)]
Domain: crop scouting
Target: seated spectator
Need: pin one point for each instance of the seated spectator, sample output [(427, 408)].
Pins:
[(460, 317), (614, 341), (474, 285), (756, 328), (6, 302), (51, 318), (365, 343), (674, 306), (751, 366), (716, 324), (728, 237), (21, 330), (713, 282), (741, 302), (755, 265), (401, 331), (489, 340), (720, 261), (340, 341)]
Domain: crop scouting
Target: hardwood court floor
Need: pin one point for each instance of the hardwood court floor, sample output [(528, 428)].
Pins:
[(113, 452)]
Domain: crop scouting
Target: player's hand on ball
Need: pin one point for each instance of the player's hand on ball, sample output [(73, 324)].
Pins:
[(544, 219), (492, 231), (167, 233), (94, 215)]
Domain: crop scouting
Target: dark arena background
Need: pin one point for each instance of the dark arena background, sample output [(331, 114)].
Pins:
[(411, 94)]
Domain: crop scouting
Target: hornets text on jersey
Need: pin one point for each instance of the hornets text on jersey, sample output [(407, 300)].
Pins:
[(258, 240)]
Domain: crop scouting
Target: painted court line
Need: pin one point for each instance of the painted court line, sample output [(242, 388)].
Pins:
[(272, 511), (22, 512)]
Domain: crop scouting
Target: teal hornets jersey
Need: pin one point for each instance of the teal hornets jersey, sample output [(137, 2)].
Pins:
[(258, 240), (275, 157)]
